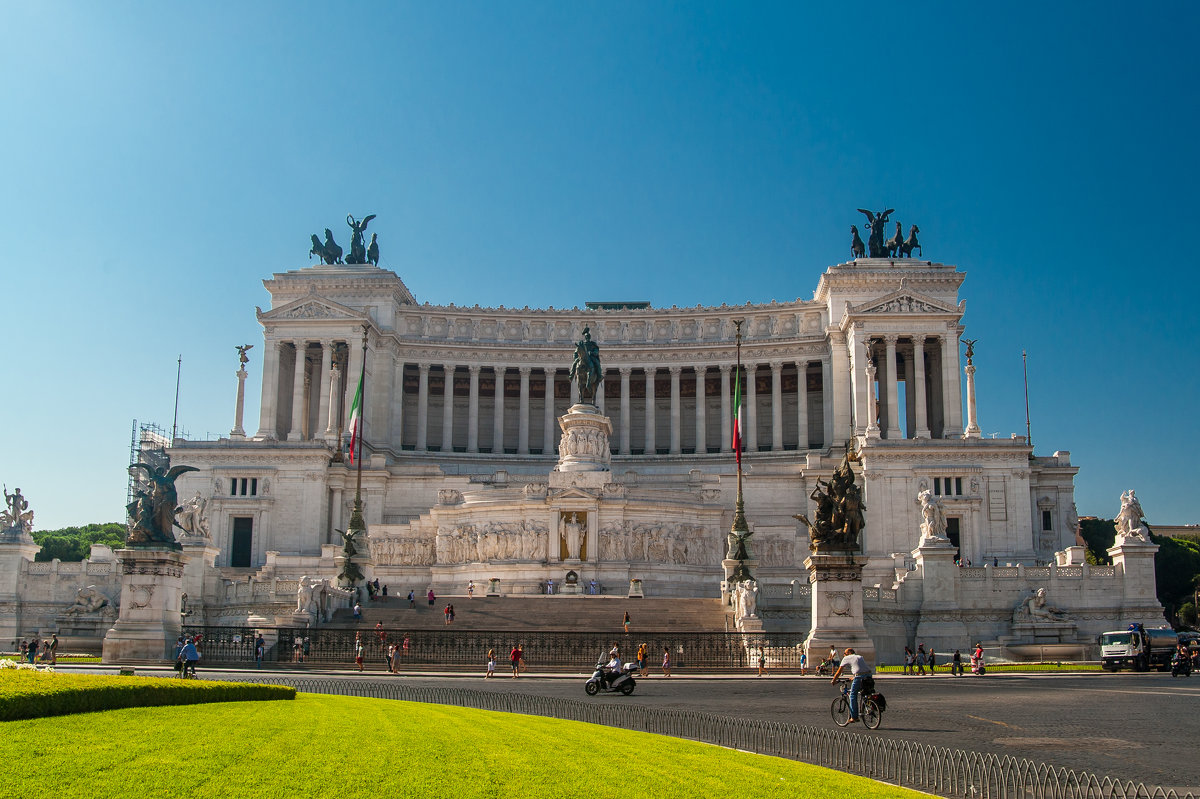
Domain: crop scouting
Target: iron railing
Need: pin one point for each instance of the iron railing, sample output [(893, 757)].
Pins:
[(544, 650), (934, 769)]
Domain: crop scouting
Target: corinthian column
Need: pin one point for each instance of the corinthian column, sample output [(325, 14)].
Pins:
[(238, 432), (523, 417), (448, 407), (922, 426), (268, 409), (972, 430), (751, 406), (726, 418), (625, 410), (893, 402), (548, 414), (323, 384), (422, 407), (676, 412), (701, 412), (331, 429), (498, 413), (473, 409), (651, 445), (801, 405), (298, 393), (776, 406)]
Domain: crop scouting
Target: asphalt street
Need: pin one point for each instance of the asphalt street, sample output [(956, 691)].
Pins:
[(1139, 727)]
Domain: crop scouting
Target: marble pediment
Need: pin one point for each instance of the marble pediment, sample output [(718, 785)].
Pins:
[(573, 492), (312, 307), (904, 301)]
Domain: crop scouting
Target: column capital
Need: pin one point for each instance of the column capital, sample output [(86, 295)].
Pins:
[(650, 371), (675, 370), (625, 371), (524, 370), (919, 342), (474, 368), (726, 368), (890, 339), (449, 367), (700, 369), (777, 367), (750, 366), (423, 368)]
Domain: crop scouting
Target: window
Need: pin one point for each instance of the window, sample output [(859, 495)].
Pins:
[(240, 548), (948, 486), (243, 486), (1047, 520)]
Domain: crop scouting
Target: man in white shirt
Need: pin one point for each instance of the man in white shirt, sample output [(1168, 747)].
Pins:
[(859, 669)]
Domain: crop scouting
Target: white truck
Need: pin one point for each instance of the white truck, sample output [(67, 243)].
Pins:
[(1138, 648)]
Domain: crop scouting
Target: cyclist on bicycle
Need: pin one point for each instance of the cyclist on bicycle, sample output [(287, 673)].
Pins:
[(860, 671)]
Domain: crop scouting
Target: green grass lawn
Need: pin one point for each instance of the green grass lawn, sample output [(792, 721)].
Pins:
[(331, 746)]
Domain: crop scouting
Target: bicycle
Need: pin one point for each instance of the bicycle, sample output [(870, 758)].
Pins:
[(870, 705)]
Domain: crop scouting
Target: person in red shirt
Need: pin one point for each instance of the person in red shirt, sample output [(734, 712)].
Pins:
[(515, 657)]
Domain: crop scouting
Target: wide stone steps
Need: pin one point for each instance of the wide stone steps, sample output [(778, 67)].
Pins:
[(549, 613)]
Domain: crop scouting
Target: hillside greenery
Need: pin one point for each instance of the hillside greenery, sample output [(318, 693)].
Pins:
[(74, 543)]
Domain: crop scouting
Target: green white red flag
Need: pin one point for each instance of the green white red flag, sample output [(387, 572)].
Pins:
[(356, 418), (737, 416)]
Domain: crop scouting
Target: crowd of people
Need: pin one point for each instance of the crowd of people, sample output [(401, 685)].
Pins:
[(34, 651)]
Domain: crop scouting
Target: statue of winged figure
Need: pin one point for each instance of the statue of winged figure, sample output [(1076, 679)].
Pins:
[(242, 358), (358, 248), (17, 515), (152, 512), (875, 243)]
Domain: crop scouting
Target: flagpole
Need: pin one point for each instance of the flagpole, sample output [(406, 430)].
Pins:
[(741, 530), (357, 526)]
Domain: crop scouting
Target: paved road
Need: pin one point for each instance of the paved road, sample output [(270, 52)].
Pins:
[(1140, 727)]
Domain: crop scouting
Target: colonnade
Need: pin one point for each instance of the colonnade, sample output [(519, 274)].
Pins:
[(927, 366), (305, 393)]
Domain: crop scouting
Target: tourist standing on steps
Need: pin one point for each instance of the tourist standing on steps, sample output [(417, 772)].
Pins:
[(625, 621), (452, 613), (514, 658), (446, 614), (470, 589), (431, 597), (357, 611), (412, 599)]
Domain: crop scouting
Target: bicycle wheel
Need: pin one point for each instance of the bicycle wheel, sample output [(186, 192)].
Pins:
[(870, 712), (840, 711)]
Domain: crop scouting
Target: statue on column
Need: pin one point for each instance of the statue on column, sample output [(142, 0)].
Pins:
[(933, 518), (1129, 520), (329, 252), (585, 369), (875, 242), (358, 249), (840, 509), (243, 359), (192, 517)]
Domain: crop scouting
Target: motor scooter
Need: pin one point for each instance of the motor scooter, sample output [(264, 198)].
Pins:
[(977, 666), (600, 680), (1181, 666)]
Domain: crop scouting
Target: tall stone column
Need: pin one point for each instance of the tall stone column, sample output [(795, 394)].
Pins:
[(268, 409), (626, 414), (651, 444), (473, 409), (839, 384), (324, 386), (826, 401), (893, 390), (331, 428), (305, 428), (298, 374), (751, 406), (238, 433), (523, 418), (801, 406), (972, 430), (422, 407), (498, 413), (701, 411), (548, 437), (335, 512), (910, 401), (676, 410), (726, 413), (354, 371), (872, 403), (951, 387), (598, 400), (918, 389), (776, 406), (447, 407)]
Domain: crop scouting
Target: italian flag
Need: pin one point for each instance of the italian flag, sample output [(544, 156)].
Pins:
[(737, 416), (356, 418)]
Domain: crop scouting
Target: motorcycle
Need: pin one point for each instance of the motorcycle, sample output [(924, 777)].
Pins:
[(1181, 667), (622, 681)]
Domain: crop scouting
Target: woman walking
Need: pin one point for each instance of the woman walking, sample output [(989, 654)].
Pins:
[(625, 621), (666, 662), (491, 665)]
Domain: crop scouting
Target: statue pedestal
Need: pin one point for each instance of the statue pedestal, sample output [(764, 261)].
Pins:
[(940, 628), (148, 624), (16, 549), (584, 443), (493, 588), (837, 606), (1134, 559), (635, 588)]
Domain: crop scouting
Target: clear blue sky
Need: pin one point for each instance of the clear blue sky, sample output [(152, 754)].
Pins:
[(161, 159)]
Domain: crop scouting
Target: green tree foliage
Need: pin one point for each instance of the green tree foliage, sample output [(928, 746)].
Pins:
[(1099, 535), (1176, 565), (1187, 614), (74, 543)]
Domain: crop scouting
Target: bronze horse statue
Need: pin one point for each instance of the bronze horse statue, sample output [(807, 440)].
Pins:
[(586, 368), (894, 243), (329, 252), (912, 244), (875, 240), (857, 248)]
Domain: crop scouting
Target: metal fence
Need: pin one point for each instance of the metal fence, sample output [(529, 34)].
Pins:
[(937, 770), (454, 649)]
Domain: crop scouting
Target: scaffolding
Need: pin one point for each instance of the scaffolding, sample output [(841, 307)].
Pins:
[(147, 444)]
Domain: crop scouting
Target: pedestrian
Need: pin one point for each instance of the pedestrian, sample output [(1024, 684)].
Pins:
[(260, 650), (909, 659), (625, 621), (431, 597), (296, 650), (762, 662), (803, 662), (921, 656), (358, 651), (470, 589), (446, 613), (404, 644), (385, 590), (191, 656), (377, 585), (357, 611), (595, 588), (514, 659), (32, 651), (53, 649), (412, 600), (932, 661), (391, 657), (666, 662), (379, 632), (452, 613), (642, 651), (491, 665), (176, 655), (956, 664), (305, 648)]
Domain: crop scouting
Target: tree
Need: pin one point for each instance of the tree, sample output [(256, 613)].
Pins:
[(74, 543)]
